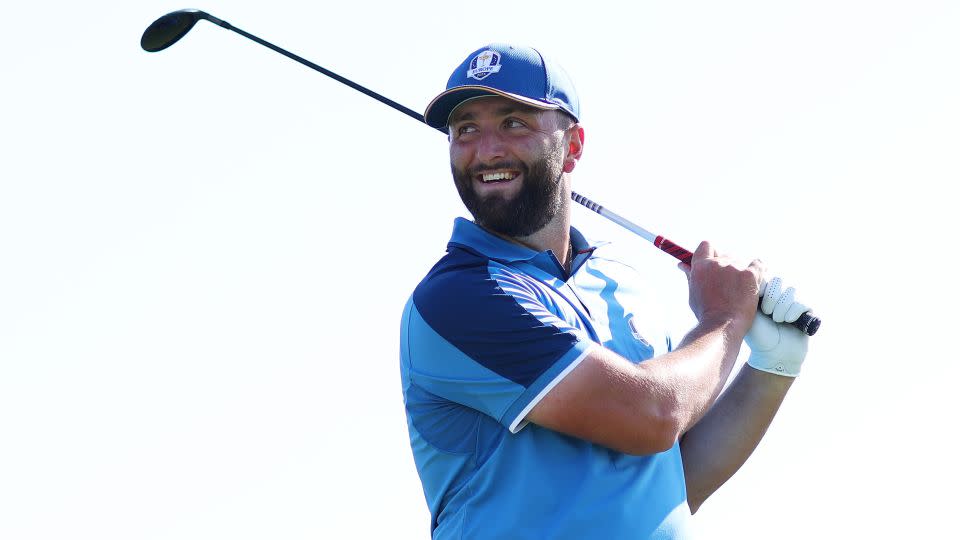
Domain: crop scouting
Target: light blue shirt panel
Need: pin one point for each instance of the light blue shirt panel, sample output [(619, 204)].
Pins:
[(602, 497), (620, 304)]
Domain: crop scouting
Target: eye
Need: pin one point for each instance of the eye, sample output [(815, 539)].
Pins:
[(466, 129), (513, 123)]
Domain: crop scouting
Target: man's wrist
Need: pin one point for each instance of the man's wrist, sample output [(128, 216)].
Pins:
[(732, 329), (763, 363)]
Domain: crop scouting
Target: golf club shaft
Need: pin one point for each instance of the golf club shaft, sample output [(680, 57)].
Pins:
[(667, 246), (807, 323), (658, 241), (382, 99)]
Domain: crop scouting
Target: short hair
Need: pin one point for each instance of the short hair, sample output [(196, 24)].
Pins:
[(564, 119)]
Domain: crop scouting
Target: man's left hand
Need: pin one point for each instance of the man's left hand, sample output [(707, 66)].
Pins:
[(775, 346)]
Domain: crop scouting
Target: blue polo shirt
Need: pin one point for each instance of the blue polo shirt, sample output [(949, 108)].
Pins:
[(490, 330)]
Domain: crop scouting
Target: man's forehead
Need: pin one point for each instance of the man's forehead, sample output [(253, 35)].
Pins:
[(497, 105)]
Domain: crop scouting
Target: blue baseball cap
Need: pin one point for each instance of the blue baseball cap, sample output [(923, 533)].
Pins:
[(518, 73)]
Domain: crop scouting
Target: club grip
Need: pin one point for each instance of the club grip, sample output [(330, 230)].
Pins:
[(807, 323), (674, 250)]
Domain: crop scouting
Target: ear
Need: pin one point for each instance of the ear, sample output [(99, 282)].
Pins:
[(574, 142)]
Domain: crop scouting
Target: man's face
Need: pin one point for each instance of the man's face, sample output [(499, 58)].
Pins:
[(507, 160)]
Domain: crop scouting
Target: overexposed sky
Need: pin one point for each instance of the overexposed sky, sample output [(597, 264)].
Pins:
[(204, 252)]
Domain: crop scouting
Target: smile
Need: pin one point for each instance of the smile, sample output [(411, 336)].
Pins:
[(500, 176)]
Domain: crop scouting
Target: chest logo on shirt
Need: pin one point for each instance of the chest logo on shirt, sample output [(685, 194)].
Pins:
[(632, 323)]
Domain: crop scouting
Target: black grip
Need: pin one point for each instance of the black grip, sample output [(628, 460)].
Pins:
[(808, 323)]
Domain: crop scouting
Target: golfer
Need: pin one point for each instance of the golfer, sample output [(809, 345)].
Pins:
[(544, 397)]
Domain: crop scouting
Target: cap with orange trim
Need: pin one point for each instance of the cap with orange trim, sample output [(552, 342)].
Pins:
[(518, 73)]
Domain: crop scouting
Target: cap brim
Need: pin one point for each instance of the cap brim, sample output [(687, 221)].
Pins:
[(438, 111)]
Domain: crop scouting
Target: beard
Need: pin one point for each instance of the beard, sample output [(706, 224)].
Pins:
[(530, 210)]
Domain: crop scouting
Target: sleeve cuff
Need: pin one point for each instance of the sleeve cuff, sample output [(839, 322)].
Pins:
[(517, 413)]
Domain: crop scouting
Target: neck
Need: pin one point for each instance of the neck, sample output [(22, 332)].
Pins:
[(555, 235)]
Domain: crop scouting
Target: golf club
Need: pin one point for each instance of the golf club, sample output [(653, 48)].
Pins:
[(169, 28)]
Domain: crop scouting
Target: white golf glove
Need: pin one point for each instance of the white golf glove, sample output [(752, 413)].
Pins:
[(777, 348)]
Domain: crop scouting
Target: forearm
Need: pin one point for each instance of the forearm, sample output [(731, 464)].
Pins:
[(718, 445), (692, 376)]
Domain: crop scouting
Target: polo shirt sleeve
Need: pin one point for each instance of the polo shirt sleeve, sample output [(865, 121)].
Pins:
[(483, 337)]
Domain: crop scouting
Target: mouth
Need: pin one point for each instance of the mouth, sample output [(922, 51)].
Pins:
[(496, 177)]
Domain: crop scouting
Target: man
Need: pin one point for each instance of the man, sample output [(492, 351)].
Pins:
[(543, 397)]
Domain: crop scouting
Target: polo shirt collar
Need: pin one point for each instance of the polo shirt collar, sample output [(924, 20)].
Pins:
[(469, 235)]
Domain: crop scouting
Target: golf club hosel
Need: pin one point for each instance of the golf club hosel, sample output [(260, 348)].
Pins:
[(216, 21)]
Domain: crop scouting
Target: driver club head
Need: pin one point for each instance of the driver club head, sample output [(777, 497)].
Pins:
[(168, 29)]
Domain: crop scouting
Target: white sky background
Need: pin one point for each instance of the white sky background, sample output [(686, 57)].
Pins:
[(204, 252)]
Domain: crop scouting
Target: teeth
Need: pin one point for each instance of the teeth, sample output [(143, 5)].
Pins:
[(493, 177)]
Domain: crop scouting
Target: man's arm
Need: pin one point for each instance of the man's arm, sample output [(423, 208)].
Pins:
[(644, 408), (715, 448)]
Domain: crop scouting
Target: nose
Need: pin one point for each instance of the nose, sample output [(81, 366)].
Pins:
[(491, 147)]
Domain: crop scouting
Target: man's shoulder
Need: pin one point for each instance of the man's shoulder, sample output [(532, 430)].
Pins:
[(463, 272), (468, 286), (458, 259)]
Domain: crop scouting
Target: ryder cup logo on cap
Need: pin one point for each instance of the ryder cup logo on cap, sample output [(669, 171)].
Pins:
[(484, 64), (522, 75)]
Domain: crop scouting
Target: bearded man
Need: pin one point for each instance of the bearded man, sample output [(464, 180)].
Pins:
[(544, 397)]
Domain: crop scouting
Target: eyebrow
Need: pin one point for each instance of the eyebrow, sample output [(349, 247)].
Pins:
[(505, 110)]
